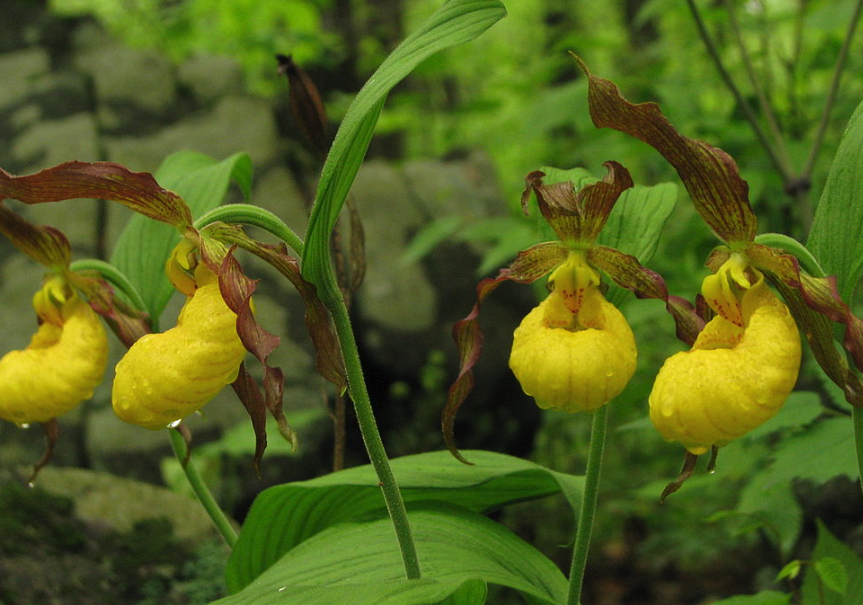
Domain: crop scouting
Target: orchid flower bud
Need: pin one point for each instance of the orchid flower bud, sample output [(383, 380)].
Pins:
[(739, 371), (63, 363), (575, 351)]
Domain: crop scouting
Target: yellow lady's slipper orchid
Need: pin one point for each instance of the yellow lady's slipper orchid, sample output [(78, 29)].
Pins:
[(165, 377), (740, 369), (63, 363), (575, 351)]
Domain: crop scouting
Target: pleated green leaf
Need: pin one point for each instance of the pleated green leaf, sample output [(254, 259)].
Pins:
[(454, 23), (835, 238), (359, 563), (144, 245), (284, 516)]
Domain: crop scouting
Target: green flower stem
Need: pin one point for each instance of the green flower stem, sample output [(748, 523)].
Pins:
[(113, 276), (205, 497), (372, 439), (588, 504), (246, 214), (857, 419)]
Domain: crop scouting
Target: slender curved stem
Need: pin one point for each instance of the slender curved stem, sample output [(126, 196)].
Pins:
[(588, 504), (755, 81), (857, 419), (784, 171), (834, 90), (205, 497), (113, 276), (247, 214), (372, 439)]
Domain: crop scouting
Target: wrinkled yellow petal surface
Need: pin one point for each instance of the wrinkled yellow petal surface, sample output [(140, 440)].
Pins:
[(574, 370), (165, 377), (732, 380), (59, 368)]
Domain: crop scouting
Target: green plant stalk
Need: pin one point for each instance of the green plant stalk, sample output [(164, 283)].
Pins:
[(205, 497), (247, 214), (857, 420), (113, 276), (372, 438), (588, 504)]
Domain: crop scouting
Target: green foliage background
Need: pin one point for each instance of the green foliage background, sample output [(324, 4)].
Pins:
[(515, 94)]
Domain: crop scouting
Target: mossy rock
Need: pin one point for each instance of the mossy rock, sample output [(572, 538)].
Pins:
[(120, 503), (85, 538)]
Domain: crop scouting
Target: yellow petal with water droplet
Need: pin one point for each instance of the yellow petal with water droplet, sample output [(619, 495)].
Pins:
[(166, 377), (59, 369), (732, 380), (574, 370)]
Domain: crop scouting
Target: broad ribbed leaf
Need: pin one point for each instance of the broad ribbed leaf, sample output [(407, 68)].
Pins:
[(284, 516), (454, 23), (637, 220), (456, 545), (835, 236), (765, 597), (144, 245), (823, 451)]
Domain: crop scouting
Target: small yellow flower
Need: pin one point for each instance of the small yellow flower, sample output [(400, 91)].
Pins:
[(63, 363), (575, 351), (165, 377), (739, 371)]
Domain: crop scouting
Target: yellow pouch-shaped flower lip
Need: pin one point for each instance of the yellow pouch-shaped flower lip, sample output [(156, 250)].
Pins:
[(165, 377), (733, 379), (60, 367), (578, 369)]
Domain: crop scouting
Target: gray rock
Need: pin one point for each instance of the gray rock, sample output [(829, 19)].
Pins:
[(18, 71), (63, 93), (236, 124), (131, 85), (394, 296), (277, 191), (468, 189), (51, 142), (209, 77), (119, 503)]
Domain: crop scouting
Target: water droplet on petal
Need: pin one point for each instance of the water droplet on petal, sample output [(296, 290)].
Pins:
[(24, 425), (175, 424)]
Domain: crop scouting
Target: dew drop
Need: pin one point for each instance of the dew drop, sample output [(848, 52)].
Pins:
[(24, 425), (283, 589), (31, 484), (175, 424)]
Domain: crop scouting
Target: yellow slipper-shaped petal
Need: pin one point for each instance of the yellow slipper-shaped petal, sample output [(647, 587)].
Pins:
[(165, 377), (733, 379), (59, 369), (577, 369)]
